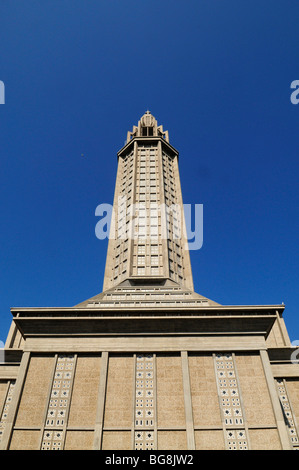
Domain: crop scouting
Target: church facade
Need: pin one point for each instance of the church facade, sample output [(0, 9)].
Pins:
[(148, 363)]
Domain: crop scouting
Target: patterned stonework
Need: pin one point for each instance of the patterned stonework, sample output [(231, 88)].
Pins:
[(145, 397), (288, 413), (7, 402), (54, 431), (230, 403)]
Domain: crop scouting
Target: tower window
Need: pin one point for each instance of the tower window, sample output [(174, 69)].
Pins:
[(154, 260), (147, 131), (141, 260)]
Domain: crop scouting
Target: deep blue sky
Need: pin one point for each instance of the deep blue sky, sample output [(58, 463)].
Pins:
[(79, 73)]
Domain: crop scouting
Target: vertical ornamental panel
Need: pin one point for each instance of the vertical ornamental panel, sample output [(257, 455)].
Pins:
[(6, 406), (230, 402), (145, 397), (56, 419), (288, 413)]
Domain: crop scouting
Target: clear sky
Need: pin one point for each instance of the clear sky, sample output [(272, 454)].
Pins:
[(79, 74)]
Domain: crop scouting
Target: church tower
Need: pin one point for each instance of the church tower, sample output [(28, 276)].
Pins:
[(148, 241), (147, 363)]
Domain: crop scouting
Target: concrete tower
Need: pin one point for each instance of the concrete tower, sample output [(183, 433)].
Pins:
[(148, 363), (148, 240)]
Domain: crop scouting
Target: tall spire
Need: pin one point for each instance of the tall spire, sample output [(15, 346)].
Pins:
[(147, 239)]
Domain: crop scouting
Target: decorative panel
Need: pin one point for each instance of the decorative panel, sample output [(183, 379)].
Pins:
[(230, 402), (56, 419), (288, 413), (145, 402), (4, 413), (292, 385)]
